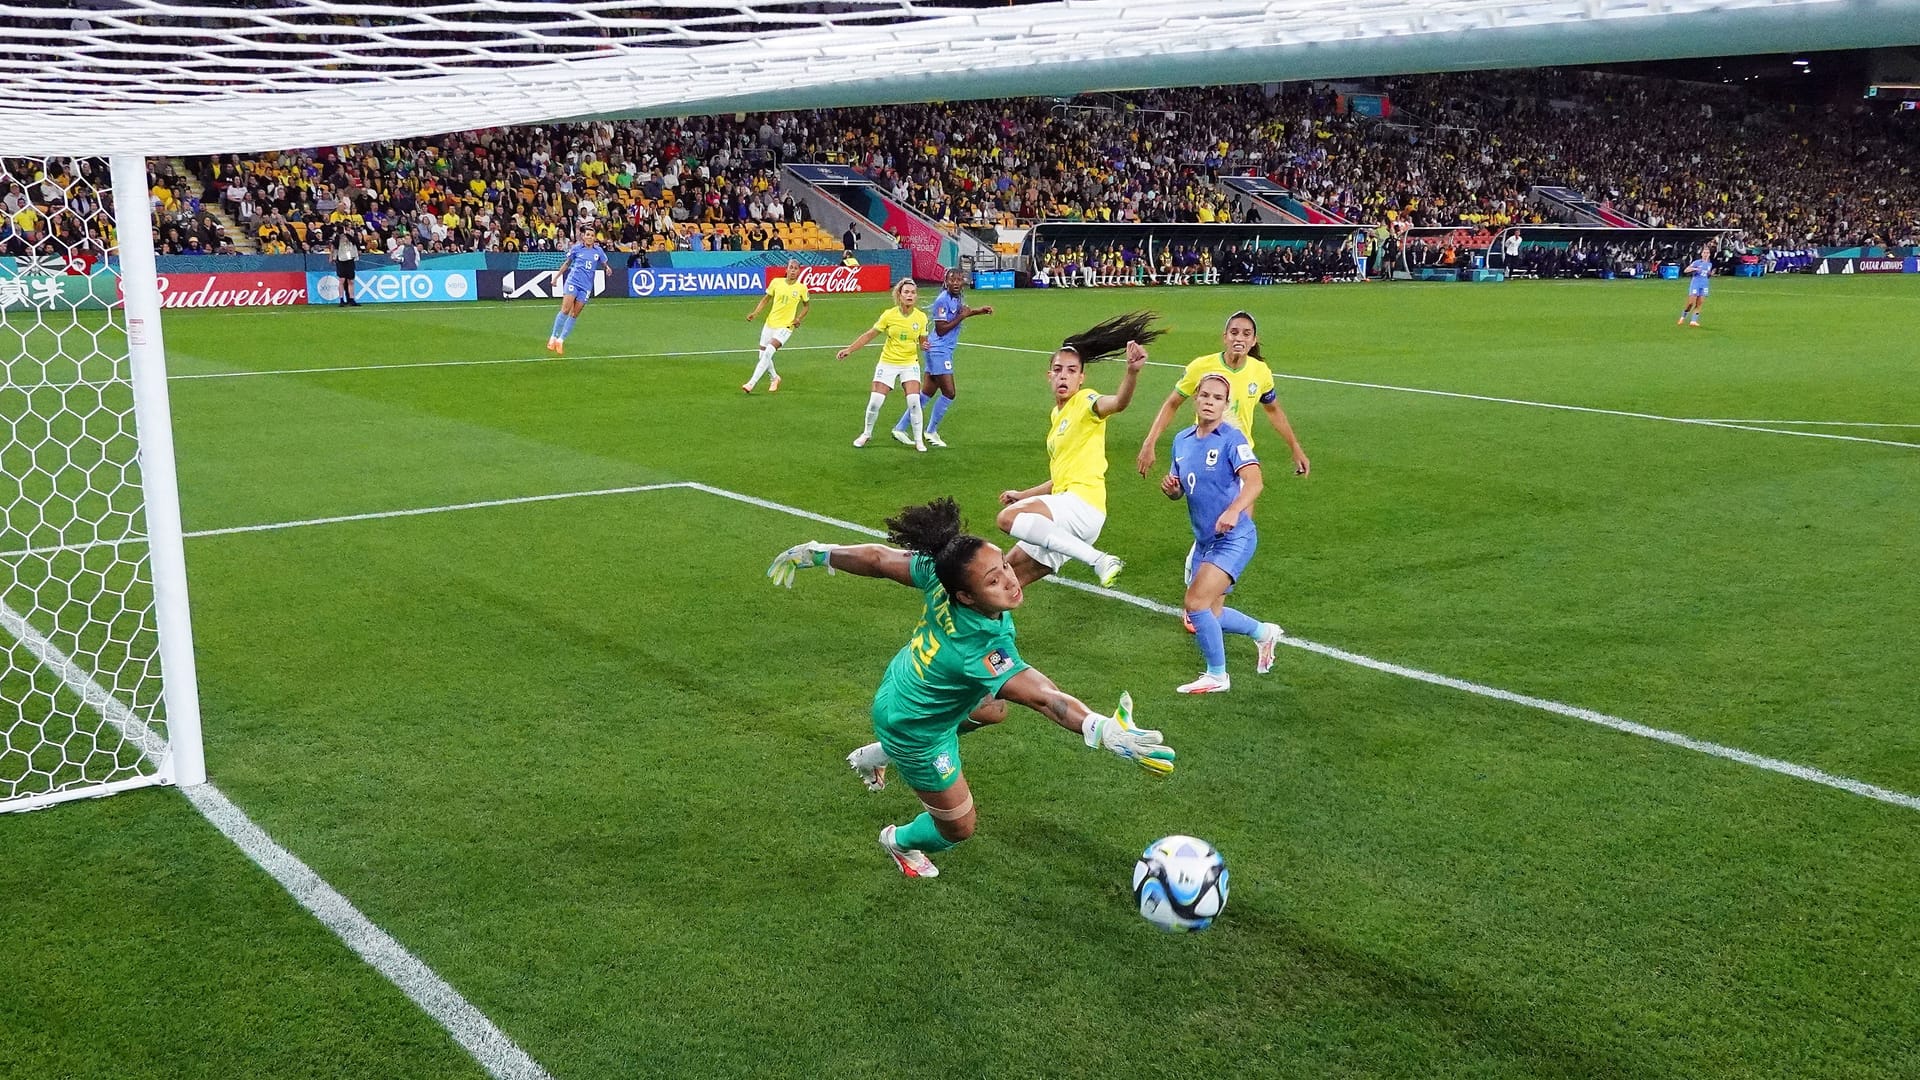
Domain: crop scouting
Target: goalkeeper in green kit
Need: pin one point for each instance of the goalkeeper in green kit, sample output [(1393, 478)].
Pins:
[(955, 674)]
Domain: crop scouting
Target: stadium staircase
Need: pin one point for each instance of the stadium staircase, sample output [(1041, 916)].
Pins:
[(826, 192), (846, 192), (230, 228), (1275, 205), (1575, 208)]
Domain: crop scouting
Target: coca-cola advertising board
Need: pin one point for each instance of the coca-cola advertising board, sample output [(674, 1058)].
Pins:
[(837, 279), (232, 290)]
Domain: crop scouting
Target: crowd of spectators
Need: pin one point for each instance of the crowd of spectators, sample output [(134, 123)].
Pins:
[(646, 185), (1454, 150)]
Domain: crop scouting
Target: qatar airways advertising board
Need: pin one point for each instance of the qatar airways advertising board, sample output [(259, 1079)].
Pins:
[(836, 279), (232, 290)]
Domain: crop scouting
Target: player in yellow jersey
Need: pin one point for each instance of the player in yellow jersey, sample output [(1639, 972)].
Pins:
[(1252, 382), (790, 306), (1061, 519), (905, 337)]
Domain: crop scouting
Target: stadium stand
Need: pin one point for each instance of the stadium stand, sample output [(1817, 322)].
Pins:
[(1456, 150)]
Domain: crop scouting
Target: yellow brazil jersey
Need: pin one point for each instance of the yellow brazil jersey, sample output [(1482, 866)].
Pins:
[(1077, 450), (902, 334), (787, 298), (1252, 385)]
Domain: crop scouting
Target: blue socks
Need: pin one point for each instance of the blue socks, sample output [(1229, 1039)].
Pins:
[(1233, 622), (563, 326), (559, 320), (1206, 633), (938, 402)]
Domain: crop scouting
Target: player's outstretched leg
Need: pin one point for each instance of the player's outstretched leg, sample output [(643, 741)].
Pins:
[(1036, 527)]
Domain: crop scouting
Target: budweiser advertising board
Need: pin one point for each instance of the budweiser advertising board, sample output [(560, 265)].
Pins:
[(837, 279), (232, 290)]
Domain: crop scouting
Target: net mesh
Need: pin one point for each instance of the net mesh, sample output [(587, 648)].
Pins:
[(172, 77), (79, 668)]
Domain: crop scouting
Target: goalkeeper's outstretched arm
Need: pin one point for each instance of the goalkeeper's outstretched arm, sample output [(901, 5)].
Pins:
[(1116, 733), (864, 560)]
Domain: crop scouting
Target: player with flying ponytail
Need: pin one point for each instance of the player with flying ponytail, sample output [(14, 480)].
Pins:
[(1062, 518), (955, 674)]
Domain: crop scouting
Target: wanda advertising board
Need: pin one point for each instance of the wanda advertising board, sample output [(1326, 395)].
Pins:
[(232, 290), (837, 279)]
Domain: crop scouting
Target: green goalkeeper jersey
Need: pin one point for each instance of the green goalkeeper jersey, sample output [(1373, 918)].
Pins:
[(956, 657)]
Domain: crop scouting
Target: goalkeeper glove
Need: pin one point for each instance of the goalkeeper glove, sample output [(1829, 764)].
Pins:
[(1116, 733), (798, 558)]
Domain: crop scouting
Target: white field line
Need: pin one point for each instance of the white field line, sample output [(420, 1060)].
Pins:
[(375, 515), (1816, 423), (477, 1035), (743, 351), (1733, 425), (379, 514)]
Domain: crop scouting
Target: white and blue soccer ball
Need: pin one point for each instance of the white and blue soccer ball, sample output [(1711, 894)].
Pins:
[(1180, 884)]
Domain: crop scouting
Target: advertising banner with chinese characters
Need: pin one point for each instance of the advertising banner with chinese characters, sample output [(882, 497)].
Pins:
[(61, 292)]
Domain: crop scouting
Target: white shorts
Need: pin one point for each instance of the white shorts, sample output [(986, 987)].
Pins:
[(892, 375), (775, 334), (1077, 516)]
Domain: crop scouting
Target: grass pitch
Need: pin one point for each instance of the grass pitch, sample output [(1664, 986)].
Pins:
[(578, 757)]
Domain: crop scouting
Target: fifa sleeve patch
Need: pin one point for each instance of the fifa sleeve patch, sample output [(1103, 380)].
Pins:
[(1243, 454), (999, 662)]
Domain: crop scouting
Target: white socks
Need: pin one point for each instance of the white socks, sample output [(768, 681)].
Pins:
[(914, 414), (764, 367), (874, 401), (1042, 531)]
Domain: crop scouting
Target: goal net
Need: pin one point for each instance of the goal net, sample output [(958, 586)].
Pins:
[(97, 689), (83, 672)]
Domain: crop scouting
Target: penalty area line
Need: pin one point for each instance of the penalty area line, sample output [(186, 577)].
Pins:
[(470, 1028)]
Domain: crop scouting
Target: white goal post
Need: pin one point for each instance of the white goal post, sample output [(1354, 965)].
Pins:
[(96, 644), (98, 690)]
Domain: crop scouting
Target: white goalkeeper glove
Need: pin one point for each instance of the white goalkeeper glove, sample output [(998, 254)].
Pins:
[(798, 558), (1116, 733)]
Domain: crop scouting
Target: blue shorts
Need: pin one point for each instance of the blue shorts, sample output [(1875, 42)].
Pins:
[(1696, 290), (939, 365), (579, 290), (1231, 552)]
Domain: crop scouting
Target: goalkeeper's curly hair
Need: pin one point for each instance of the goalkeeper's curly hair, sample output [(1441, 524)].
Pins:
[(1100, 341), (936, 530)]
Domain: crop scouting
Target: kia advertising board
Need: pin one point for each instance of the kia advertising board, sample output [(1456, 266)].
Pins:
[(232, 290), (541, 284), (836, 279), (386, 286)]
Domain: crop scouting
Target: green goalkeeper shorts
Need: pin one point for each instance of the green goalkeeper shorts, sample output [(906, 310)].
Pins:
[(925, 765)]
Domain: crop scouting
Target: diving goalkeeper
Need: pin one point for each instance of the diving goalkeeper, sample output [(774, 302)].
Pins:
[(955, 674)]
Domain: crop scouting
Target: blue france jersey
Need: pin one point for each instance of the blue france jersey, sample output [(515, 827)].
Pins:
[(945, 306), (582, 261), (1700, 268), (1209, 471)]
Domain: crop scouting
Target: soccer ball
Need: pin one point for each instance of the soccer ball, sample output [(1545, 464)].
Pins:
[(1180, 884)]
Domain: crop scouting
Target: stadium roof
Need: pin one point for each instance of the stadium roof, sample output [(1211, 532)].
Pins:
[(163, 77)]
